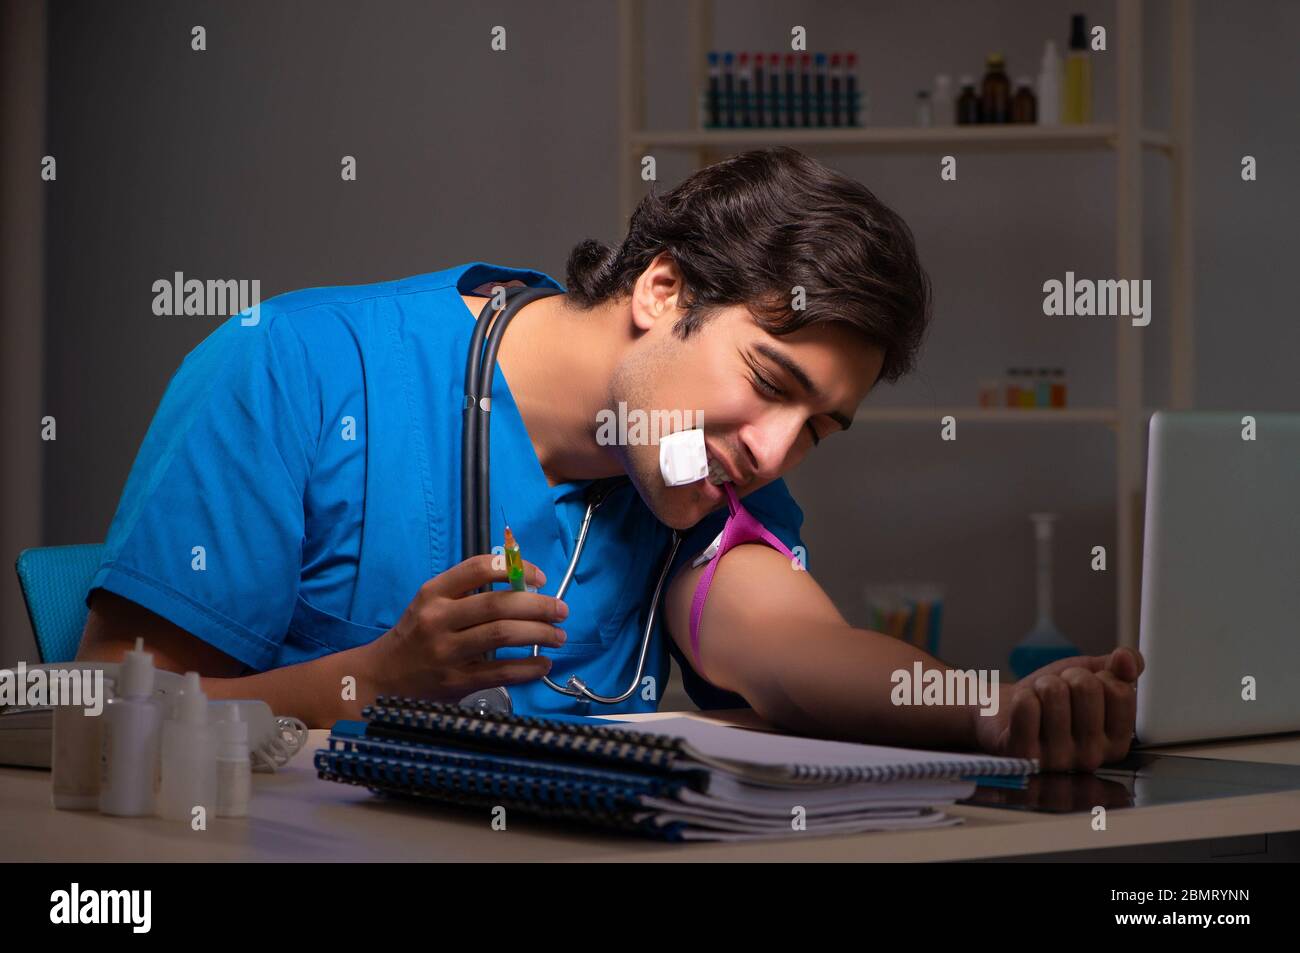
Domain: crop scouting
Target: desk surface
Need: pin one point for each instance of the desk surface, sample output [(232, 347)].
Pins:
[(297, 817)]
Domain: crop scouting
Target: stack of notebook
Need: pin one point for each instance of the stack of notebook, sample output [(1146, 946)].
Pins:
[(676, 778)]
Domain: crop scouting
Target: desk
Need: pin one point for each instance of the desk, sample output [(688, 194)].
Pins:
[(297, 817)]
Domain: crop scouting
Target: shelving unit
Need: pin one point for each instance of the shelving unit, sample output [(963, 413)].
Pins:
[(1126, 138), (1098, 136)]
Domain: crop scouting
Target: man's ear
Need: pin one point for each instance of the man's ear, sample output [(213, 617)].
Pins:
[(656, 293)]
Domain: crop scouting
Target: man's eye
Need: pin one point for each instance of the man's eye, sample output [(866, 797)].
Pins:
[(765, 386)]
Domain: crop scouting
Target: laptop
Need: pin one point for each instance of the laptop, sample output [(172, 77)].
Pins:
[(1220, 625)]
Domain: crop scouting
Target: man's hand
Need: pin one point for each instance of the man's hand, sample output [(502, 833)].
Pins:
[(1073, 715), (437, 648)]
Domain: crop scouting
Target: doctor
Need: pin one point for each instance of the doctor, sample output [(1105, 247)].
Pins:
[(291, 528)]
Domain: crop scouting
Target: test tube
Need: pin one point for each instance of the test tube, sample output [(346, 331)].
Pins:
[(774, 90), (744, 86), (729, 88), (822, 93), (837, 90), (851, 88), (715, 90), (805, 89), (791, 96)]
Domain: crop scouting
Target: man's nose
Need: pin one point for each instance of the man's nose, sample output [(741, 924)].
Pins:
[(770, 443)]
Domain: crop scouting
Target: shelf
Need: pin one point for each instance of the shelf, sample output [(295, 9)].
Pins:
[(1010, 138), (989, 415), (1124, 138)]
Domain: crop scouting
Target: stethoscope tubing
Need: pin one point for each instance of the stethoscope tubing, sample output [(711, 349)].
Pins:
[(475, 487)]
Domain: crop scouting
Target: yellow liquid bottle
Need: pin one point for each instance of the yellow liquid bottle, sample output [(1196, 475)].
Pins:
[(1078, 89), (1076, 106)]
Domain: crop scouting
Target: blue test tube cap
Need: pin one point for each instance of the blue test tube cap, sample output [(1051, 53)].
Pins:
[(727, 58), (820, 59), (713, 57)]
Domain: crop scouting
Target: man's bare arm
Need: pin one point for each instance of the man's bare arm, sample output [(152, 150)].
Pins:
[(771, 634), (311, 690)]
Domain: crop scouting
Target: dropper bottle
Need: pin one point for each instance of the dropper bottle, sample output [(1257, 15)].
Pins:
[(128, 782), (234, 769), (189, 756)]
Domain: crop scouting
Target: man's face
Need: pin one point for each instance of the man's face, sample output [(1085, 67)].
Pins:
[(762, 398)]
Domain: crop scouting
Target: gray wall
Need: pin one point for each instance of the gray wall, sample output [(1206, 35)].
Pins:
[(225, 164), (22, 288)]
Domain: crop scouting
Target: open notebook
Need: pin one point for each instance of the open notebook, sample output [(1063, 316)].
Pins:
[(676, 778)]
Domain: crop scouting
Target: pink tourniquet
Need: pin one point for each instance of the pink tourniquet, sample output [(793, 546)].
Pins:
[(741, 527)]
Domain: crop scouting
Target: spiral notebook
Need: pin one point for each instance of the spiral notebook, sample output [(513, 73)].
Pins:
[(675, 779)]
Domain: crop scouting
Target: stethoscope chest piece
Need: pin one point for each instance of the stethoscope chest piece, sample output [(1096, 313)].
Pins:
[(488, 701)]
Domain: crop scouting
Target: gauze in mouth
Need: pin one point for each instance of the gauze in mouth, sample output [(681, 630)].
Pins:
[(718, 473), (682, 457)]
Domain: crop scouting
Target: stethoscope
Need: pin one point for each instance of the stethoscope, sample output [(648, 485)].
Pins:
[(475, 506)]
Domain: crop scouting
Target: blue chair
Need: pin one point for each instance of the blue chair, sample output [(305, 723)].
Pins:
[(55, 580)]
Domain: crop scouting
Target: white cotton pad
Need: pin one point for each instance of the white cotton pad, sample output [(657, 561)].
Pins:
[(682, 458)]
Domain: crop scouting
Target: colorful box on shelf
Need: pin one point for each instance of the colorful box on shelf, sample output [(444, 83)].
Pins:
[(912, 612)]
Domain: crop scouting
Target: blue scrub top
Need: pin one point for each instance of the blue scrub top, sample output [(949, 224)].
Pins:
[(301, 480)]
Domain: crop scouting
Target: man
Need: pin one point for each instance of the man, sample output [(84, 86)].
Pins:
[(290, 528)]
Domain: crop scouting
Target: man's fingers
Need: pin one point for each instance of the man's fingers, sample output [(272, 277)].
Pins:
[(503, 633), (1126, 664), (1054, 733), (1121, 714), (481, 607), (1026, 716), (476, 572), (1087, 717)]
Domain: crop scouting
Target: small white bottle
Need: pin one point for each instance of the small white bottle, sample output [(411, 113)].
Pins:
[(77, 756), (189, 756), (128, 781), (1049, 87), (942, 107), (234, 767), (924, 115)]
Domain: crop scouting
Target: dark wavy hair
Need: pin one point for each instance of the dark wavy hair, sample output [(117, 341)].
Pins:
[(748, 229)]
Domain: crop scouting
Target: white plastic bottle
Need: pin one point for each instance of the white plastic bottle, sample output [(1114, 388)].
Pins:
[(1049, 87), (128, 781), (189, 756), (77, 756), (234, 769), (942, 106)]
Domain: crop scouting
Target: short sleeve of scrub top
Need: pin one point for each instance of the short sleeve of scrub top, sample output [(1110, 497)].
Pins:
[(300, 481), (209, 529)]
